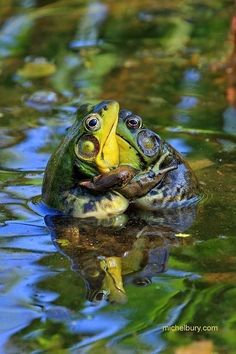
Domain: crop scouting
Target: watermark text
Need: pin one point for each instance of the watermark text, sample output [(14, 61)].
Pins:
[(190, 328)]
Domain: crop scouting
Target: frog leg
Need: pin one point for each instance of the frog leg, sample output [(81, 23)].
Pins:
[(156, 167), (114, 179), (159, 197), (80, 203), (178, 189), (143, 183), (126, 176), (127, 181)]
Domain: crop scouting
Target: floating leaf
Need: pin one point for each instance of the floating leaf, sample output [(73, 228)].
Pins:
[(37, 69)]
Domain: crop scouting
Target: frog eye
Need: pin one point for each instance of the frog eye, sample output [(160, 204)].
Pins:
[(92, 122), (87, 147), (134, 122)]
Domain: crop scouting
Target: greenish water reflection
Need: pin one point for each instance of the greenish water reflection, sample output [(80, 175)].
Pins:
[(169, 61)]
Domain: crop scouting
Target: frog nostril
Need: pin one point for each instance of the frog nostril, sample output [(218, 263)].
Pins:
[(105, 107)]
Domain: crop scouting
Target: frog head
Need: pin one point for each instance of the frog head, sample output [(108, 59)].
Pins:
[(139, 146), (93, 138)]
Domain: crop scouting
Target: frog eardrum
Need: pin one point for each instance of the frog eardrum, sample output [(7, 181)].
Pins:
[(87, 147), (149, 142)]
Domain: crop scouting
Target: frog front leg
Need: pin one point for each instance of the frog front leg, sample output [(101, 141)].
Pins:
[(115, 179), (144, 182), (156, 167), (128, 181)]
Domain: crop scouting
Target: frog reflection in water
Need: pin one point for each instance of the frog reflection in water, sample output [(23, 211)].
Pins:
[(108, 255)]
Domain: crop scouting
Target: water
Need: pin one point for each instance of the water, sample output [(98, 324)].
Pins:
[(172, 63)]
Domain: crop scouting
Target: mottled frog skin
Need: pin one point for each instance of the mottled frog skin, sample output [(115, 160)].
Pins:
[(109, 159), (90, 147)]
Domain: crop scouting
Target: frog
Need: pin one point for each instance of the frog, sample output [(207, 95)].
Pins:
[(178, 185), (89, 148), (163, 178)]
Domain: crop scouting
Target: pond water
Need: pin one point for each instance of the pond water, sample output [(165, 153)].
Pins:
[(173, 63)]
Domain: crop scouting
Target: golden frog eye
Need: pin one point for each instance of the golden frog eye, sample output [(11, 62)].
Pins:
[(92, 122), (87, 147), (133, 122), (149, 142)]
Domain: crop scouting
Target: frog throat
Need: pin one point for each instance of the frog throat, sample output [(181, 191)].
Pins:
[(87, 169)]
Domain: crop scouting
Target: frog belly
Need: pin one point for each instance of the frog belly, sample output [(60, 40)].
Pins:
[(89, 205)]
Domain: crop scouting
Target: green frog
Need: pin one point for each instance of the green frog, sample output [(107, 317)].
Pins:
[(163, 179), (89, 148)]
